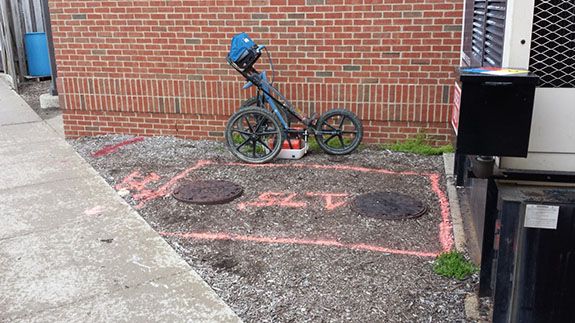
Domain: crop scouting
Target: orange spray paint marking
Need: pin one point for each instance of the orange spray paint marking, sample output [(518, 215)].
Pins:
[(274, 199), (445, 228), (328, 199), (113, 148), (329, 167), (165, 189), (294, 241), (135, 182)]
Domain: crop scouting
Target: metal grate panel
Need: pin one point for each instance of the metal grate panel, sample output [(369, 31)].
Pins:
[(553, 43)]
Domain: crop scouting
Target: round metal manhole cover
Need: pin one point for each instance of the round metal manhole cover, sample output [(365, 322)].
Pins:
[(207, 192), (388, 206)]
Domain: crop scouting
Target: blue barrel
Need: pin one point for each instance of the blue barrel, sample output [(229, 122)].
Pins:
[(37, 54)]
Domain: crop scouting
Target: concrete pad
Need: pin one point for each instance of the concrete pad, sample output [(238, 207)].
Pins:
[(47, 206), (13, 109), (71, 249), (46, 151), (454, 208), (178, 301), (42, 171), (48, 101), (24, 134), (449, 163), (80, 260), (57, 123)]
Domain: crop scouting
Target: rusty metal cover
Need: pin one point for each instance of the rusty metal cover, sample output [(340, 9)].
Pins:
[(388, 206), (207, 192)]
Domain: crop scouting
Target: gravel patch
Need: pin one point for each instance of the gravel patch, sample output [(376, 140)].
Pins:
[(30, 91), (311, 272)]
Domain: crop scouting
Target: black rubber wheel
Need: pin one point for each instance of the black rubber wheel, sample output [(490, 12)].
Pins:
[(255, 101), (338, 132), (254, 135)]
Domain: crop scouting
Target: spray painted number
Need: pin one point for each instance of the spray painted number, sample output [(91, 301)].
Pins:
[(330, 201)]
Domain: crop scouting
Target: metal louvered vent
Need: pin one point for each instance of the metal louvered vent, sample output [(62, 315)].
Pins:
[(478, 35), (488, 32), (553, 43), (494, 32)]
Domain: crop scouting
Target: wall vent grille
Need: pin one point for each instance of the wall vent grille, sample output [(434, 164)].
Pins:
[(488, 30)]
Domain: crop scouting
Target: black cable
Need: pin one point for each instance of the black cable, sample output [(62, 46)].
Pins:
[(271, 65)]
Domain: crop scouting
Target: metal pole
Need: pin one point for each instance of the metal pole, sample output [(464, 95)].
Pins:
[(48, 30)]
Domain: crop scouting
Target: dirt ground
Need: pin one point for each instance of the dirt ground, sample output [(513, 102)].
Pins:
[(291, 249)]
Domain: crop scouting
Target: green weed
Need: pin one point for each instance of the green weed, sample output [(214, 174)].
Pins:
[(418, 145), (453, 265), (248, 148), (313, 146)]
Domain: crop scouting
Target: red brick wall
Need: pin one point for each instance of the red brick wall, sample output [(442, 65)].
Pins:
[(158, 67)]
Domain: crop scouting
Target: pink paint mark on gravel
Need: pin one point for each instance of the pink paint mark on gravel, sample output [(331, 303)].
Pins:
[(147, 195), (445, 228), (293, 241), (113, 148), (288, 199), (328, 199), (329, 167), (135, 182), (274, 199)]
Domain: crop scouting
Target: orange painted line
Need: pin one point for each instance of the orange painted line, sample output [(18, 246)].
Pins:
[(135, 181), (329, 204), (293, 241), (113, 148), (329, 167), (274, 199), (165, 189), (445, 228)]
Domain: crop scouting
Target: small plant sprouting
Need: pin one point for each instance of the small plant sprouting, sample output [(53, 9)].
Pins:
[(418, 145), (453, 264), (313, 146)]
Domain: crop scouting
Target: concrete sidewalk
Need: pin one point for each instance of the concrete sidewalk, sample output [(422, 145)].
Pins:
[(71, 250)]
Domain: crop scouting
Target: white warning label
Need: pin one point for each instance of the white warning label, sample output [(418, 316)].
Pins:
[(541, 216)]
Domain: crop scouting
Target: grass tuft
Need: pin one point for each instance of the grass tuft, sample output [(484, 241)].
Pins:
[(312, 145), (454, 265), (418, 145)]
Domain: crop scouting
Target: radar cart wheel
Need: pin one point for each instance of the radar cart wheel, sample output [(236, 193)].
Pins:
[(338, 132), (254, 135)]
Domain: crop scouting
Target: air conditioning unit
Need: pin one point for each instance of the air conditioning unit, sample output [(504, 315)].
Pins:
[(538, 35)]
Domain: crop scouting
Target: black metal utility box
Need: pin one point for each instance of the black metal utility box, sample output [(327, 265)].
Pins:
[(533, 277), (495, 111)]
